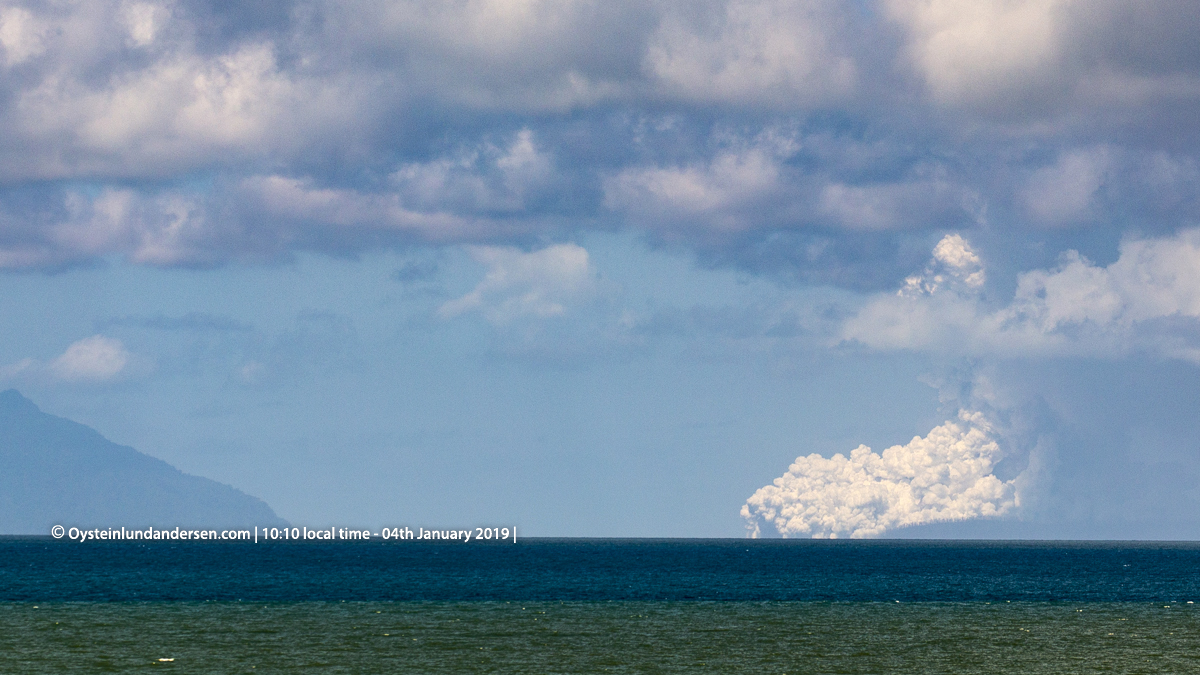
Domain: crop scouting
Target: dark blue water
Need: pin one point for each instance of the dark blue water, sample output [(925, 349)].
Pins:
[(36, 569)]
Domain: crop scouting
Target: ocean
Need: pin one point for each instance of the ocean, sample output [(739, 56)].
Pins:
[(582, 606)]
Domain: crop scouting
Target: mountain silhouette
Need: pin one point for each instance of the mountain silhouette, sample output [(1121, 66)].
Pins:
[(57, 472)]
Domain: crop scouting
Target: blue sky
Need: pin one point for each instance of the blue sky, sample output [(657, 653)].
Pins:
[(612, 268)]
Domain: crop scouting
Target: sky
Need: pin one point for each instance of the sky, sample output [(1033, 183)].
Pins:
[(847, 268)]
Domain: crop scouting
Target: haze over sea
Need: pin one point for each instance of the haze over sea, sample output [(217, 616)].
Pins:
[(595, 605)]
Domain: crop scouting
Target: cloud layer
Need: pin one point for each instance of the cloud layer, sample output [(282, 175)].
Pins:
[(822, 140), (947, 475)]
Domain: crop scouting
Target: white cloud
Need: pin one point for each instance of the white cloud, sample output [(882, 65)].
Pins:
[(715, 195), (291, 202), (947, 475), (529, 55), (96, 358), (181, 110), (144, 20), (889, 205), (166, 229), (752, 183), (22, 35), (239, 133), (545, 55), (1077, 308), (121, 88), (1006, 56), (486, 179), (954, 264), (981, 50), (752, 52), (540, 283), (1152, 279), (1065, 192), (469, 197)]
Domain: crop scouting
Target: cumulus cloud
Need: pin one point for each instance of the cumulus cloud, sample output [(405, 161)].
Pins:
[(718, 194), (527, 56), (1147, 300), (144, 21), (742, 51), (178, 112), (947, 475), (981, 49), (347, 215), (471, 196), (1152, 279), (756, 183), (753, 131), (121, 88), (1065, 192), (75, 226), (487, 179), (954, 264), (22, 35), (1017, 56), (93, 359), (96, 358), (541, 283), (887, 205)]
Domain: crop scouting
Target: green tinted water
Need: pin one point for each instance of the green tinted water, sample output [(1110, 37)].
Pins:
[(617, 637)]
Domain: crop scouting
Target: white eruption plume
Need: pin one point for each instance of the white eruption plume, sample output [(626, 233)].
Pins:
[(947, 475)]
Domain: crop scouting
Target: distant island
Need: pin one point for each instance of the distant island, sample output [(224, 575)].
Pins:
[(57, 472)]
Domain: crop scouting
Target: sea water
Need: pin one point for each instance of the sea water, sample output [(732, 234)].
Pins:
[(574, 606)]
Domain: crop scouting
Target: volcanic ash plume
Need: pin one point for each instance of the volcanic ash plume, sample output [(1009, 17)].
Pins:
[(947, 475)]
